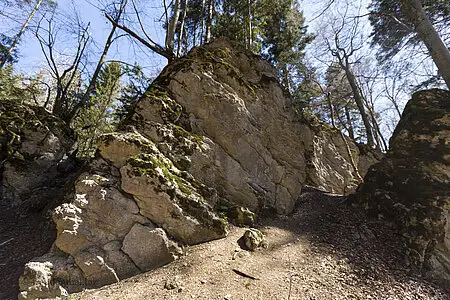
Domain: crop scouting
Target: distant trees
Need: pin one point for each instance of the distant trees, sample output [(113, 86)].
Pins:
[(397, 23), (285, 38)]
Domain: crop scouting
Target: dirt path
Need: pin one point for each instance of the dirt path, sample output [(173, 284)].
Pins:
[(21, 239), (325, 250)]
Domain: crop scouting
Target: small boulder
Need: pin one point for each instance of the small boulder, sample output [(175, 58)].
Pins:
[(252, 239), (36, 282), (149, 247), (241, 216)]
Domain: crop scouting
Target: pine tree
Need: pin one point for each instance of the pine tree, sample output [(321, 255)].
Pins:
[(99, 117)]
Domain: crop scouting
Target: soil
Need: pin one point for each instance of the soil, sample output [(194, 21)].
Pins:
[(21, 239), (325, 250)]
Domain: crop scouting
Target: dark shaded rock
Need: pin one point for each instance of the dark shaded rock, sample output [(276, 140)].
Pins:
[(411, 185), (35, 159), (241, 216)]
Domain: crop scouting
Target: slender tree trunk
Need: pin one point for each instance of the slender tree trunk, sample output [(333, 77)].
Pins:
[(351, 132), (202, 30), (172, 26), (194, 37), (358, 99), (430, 37), (101, 61), (209, 21), (180, 33), (250, 29), (378, 135), (397, 108), (186, 41), (286, 81), (22, 30)]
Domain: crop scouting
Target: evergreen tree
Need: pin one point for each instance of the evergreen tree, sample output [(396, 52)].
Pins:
[(99, 117), (137, 84), (284, 41)]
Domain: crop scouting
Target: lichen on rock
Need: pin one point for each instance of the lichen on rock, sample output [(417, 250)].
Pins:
[(410, 186), (215, 127)]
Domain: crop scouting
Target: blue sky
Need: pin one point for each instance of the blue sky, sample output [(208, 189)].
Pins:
[(31, 58)]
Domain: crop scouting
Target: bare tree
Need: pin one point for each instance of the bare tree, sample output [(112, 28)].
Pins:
[(21, 31), (66, 75), (101, 61), (343, 47), (167, 50)]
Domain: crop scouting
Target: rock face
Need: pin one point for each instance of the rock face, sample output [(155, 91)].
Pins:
[(34, 161), (411, 185), (214, 133)]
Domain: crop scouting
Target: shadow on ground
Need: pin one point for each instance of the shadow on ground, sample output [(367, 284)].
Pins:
[(21, 239), (334, 228)]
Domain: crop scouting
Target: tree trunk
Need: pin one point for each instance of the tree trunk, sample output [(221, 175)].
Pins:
[(22, 30), (209, 21), (343, 62), (202, 30), (286, 82), (181, 31), (428, 34), (351, 132), (172, 26), (250, 29), (93, 81)]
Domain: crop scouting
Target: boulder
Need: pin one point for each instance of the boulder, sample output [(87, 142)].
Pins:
[(411, 185), (252, 239), (36, 282), (215, 131), (36, 162), (144, 240)]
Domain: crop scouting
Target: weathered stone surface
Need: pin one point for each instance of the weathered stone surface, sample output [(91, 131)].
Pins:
[(149, 247), (34, 155), (411, 186), (221, 114), (36, 282), (96, 269), (170, 201), (98, 215), (214, 128), (252, 239), (241, 216)]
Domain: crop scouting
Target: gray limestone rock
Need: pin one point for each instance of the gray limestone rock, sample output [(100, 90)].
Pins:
[(149, 247)]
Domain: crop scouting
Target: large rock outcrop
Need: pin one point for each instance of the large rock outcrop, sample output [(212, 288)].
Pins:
[(35, 156), (215, 131), (411, 185)]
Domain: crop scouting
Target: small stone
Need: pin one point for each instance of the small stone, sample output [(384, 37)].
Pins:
[(173, 283), (251, 240), (227, 297)]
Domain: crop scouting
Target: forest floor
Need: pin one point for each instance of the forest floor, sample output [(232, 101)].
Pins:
[(22, 238), (325, 250)]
